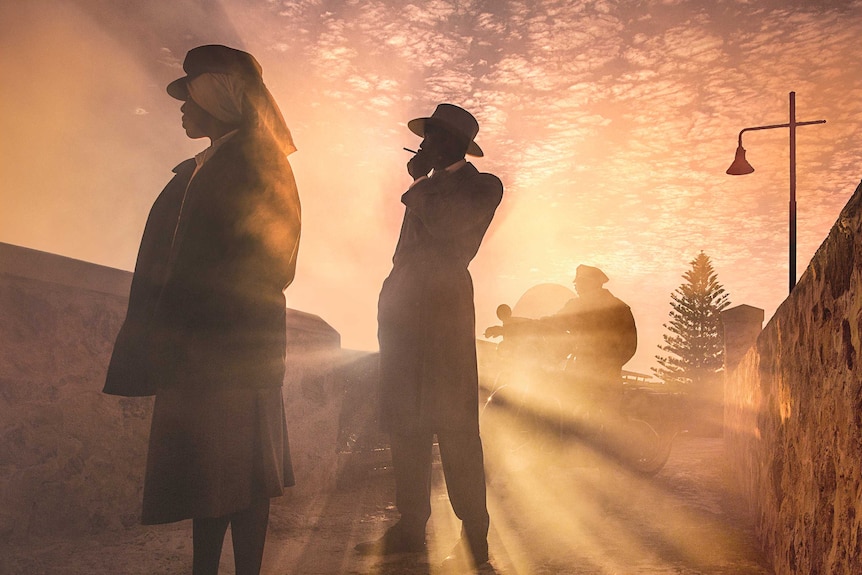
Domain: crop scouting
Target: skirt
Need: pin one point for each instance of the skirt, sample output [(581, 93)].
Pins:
[(215, 454)]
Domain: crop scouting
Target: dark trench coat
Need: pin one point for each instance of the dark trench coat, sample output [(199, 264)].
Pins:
[(426, 318), (205, 331)]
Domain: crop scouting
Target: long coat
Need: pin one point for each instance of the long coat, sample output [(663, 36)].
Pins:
[(205, 331), (206, 307), (426, 319)]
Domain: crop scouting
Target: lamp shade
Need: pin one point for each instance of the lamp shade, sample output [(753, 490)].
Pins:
[(740, 165)]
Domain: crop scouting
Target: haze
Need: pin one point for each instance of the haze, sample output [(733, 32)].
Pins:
[(611, 124)]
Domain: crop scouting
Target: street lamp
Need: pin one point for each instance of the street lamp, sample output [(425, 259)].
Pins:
[(740, 166)]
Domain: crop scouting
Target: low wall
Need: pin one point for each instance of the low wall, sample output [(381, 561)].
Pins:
[(71, 458), (793, 414)]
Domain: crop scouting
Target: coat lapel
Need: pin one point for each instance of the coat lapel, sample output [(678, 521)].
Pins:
[(208, 178)]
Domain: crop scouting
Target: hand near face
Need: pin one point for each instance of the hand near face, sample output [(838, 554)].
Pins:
[(420, 164), (440, 148)]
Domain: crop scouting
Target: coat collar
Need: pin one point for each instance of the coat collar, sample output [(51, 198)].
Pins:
[(186, 166), (235, 139)]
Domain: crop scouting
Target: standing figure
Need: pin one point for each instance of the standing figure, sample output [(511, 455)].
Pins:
[(205, 327), (426, 329)]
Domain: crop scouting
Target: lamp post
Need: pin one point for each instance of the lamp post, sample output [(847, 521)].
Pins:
[(740, 166)]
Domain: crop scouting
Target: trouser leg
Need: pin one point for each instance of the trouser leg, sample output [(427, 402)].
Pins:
[(411, 461), (248, 532), (207, 540), (463, 466)]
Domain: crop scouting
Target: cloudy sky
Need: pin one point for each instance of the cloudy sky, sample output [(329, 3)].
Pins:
[(610, 122)]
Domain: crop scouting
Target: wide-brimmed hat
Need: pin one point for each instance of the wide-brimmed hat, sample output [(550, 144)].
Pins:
[(591, 273), (452, 118), (216, 59)]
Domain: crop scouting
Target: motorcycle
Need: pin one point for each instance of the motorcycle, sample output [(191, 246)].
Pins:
[(546, 406)]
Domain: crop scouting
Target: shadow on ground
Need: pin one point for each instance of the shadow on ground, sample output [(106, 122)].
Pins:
[(552, 511)]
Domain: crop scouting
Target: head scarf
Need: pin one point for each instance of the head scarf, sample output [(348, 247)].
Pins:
[(237, 101), (219, 94)]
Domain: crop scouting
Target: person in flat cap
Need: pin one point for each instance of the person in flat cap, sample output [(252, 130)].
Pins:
[(426, 331), (205, 326), (603, 337)]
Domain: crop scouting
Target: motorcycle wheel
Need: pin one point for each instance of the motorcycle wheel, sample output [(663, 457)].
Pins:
[(647, 451)]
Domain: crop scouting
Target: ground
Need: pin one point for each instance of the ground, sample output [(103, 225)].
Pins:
[(562, 517)]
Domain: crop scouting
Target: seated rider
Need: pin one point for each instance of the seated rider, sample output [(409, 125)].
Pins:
[(603, 338), (526, 343)]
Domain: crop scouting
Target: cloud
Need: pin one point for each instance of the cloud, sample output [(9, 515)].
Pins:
[(610, 123)]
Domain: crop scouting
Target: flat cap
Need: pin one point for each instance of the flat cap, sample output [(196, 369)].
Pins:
[(217, 59)]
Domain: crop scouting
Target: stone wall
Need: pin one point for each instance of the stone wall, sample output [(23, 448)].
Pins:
[(72, 458), (793, 414)]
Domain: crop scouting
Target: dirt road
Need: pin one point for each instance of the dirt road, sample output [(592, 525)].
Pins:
[(549, 516)]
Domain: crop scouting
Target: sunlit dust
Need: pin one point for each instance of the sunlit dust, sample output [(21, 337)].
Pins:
[(577, 504), (611, 128), (610, 124)]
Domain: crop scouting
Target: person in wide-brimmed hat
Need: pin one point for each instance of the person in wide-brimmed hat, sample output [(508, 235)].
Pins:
[(455, 120), (429, 381), (205, 327)]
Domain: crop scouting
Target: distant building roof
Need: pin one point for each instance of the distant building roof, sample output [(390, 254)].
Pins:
[(52, 268), (303, 329), (309, 330), (743, 312)]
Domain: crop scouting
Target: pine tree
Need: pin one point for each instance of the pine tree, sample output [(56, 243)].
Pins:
[(695, 344)]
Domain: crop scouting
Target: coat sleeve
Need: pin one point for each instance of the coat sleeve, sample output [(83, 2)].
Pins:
[(452, 208), (566, 319), (263, 244), (628, 334), (238, 249), (271, 224), (128, 369)]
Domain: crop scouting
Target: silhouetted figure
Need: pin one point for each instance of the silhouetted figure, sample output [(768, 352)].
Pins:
[(429, 381), (603, 338), (205, 328)]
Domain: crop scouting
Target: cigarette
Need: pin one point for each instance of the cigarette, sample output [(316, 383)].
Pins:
[(409, 150)]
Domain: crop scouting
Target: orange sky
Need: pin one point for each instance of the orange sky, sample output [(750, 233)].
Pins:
[(610, 123)]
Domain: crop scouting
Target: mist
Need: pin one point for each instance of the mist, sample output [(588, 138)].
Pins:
[(610, 128)]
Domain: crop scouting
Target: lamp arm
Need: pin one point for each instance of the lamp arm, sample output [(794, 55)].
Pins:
[(770, 127)]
